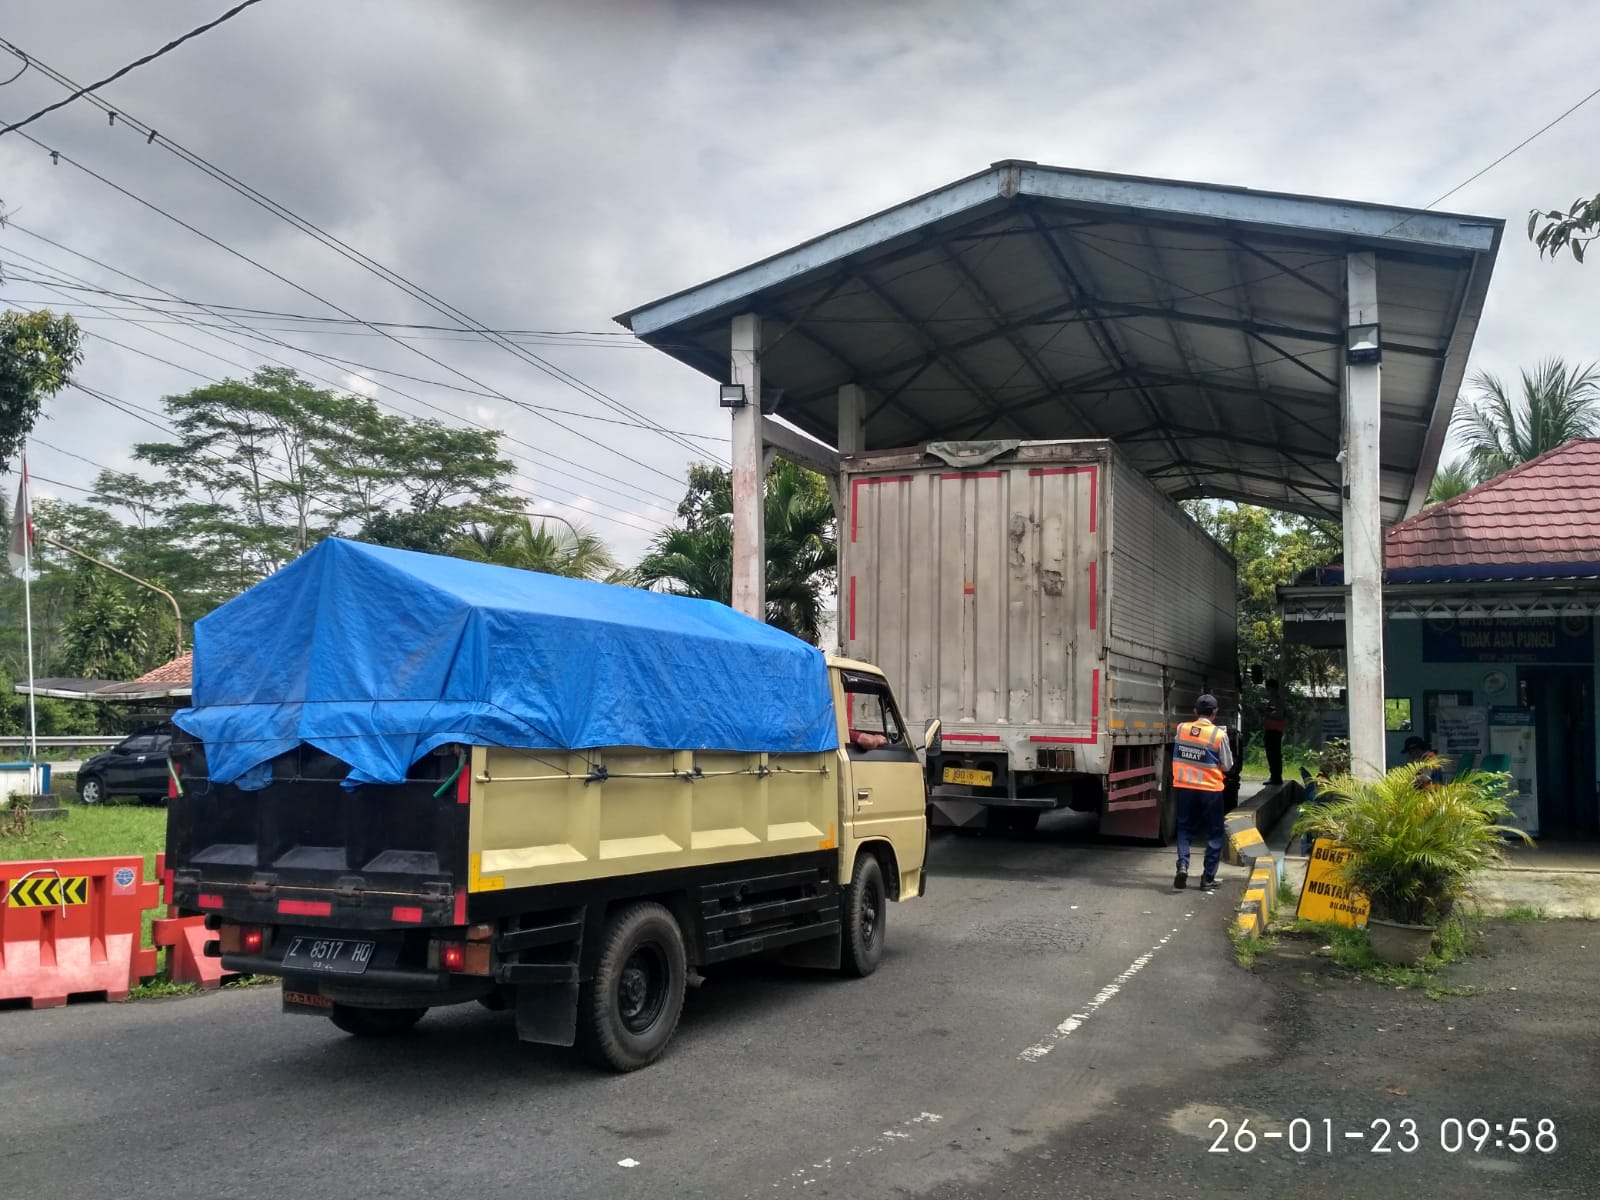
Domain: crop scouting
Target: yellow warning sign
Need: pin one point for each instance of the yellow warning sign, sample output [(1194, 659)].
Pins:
[(1324, 897), (49, 891)]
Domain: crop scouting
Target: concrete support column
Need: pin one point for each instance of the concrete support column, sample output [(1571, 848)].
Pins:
[(852, 418), (1363, 531), (749, 480)]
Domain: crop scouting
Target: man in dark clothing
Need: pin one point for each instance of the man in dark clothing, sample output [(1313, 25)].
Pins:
[(1272, 726)]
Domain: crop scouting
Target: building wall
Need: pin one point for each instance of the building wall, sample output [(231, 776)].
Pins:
[(1406, 675)]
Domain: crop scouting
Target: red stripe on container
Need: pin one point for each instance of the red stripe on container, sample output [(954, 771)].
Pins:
[(1041, 738), (972, 475), (305, 908), (969, 737), (857, 484), (411, 916), (1094, 598), (1094, 714), (852, 608)]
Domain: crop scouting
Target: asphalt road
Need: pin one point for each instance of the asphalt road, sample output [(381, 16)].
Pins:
[(1044, 1023)]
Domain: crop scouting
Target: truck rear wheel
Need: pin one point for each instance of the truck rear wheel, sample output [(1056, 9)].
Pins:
[(628, 1012), (865, 918), (375, 1022)]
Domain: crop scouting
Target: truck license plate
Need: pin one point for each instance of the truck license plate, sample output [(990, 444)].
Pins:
[(970, 778), (336, 955)]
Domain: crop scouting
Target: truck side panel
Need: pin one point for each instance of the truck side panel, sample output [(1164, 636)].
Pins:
[(1171, 612), (540, 819)]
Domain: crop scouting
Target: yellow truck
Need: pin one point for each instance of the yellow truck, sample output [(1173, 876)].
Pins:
[(409, 782)]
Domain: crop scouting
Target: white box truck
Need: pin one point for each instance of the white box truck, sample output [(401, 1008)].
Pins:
[(1054, 611)]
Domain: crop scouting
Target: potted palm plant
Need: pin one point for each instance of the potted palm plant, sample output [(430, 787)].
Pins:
[(1414, 845)]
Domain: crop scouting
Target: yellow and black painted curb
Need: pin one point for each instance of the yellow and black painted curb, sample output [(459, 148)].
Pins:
[(1247, 847), (1245, 843), (1260, 896)]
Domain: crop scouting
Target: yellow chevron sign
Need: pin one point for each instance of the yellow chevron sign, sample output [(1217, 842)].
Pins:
[(49, 891)]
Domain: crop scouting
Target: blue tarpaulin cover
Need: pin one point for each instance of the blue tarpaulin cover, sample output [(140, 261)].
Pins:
[(378, 656)]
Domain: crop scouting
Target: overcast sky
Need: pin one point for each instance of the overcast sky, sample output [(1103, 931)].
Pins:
[(544, 166)]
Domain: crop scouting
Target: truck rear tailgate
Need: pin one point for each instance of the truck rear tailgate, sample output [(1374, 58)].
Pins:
[(306, 849)]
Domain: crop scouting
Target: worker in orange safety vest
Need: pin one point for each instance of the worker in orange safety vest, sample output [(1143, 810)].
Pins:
[(1201, 761)]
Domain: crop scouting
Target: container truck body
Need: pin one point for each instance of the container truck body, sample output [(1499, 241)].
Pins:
[(1052, 610), (410, 782)]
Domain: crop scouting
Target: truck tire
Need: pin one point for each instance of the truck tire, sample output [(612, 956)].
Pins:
[(865, 918), (1014, 821), (375, 1022), (628, 1012)]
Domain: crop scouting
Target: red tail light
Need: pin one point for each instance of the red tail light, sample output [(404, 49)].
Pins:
[(240, 939), (459, 958)]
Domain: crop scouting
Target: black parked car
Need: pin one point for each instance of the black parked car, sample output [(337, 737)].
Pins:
[(137, 767)]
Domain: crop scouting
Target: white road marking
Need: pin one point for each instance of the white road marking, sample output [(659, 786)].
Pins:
[(905, 1131), (1104, 996), (627, 1162)]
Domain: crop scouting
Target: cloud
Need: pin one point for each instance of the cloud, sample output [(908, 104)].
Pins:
[(547, 166)]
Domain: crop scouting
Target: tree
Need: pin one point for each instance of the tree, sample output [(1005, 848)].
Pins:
[(1272, 550), (1450, 481), (1571, 230), (105, 637), (573, 553), (1558, 404), (38, 352), (696, 557)]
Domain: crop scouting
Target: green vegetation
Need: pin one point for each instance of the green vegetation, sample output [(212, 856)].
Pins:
[(1499, 429), (1272, 549), (1524, 912), (695, 558), (1457, 938), (38, 353), (1413, 846), (1553, 230)]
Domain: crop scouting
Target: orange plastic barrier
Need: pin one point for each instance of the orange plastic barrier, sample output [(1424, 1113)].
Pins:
[(185, 939), (72, 926)]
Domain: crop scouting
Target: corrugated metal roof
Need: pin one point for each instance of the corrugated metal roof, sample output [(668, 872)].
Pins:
[(1201, 327)]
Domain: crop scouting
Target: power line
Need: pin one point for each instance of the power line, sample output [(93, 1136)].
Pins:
[(340, 247), (1537, 133), (123, 406), (58, 156), (134, 65), (313, 354), (133, 410)]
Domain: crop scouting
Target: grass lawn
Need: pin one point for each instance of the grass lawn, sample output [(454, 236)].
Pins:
[(94, 832)]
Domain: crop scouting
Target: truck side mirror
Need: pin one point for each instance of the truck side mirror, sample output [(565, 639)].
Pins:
[(930, 735)]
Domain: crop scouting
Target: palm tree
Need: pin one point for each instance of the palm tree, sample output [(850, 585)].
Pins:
[(572, 552), (1558, 404), (1450, 481), (696, 559)]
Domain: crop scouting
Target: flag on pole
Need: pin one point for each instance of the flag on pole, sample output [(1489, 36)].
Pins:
[(22, 539)]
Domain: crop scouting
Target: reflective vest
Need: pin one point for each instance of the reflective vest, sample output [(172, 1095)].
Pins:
[(1197, 756)]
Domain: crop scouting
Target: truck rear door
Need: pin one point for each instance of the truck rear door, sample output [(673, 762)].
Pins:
[(306, 850)]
